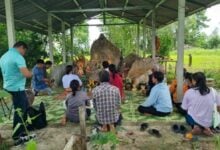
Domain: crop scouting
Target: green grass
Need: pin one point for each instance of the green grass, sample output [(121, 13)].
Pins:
[(207, 61)]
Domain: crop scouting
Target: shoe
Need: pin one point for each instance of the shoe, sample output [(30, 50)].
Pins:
[(144, 126), (182, 129), (155, 133), (175, 128)]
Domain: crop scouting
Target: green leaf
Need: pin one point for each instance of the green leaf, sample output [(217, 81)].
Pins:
[(31, 145), (16, 128)]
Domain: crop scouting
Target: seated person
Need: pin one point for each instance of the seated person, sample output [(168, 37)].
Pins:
[(150, 84), (106, 102), (105, 65), (199, 102), (74, 100), (116, 80), (159, 102), (39, 82), (187, 83), (68, 77)]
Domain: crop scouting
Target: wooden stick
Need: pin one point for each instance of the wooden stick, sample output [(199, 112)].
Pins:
[(82, 119), (70, 143)]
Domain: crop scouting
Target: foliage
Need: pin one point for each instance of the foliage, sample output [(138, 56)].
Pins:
[(167, 36), (124, 37), (31, 145), (4, 146), (205, 60), (100, 139), (217, 142), (214, 40)]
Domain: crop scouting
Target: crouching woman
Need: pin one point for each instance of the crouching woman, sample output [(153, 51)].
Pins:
[(74, 100), (199, 104)]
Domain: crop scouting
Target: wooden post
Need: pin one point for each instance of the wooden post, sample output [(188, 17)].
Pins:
[(180, 54), (82, 118)]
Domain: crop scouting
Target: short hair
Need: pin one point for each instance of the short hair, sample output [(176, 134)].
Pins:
[(20, 43), (104, 76), (105, 64), (48, 62), (159, 76), (40, 61), (69, 68)]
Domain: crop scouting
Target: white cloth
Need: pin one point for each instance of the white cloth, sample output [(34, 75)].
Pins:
[(68, 78)]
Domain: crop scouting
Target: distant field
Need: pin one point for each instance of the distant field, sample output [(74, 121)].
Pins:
[(207, 61)]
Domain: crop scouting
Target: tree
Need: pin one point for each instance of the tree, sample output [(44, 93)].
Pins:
[(214, 40)]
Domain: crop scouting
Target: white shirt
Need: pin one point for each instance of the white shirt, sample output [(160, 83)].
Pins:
[(68, 78)]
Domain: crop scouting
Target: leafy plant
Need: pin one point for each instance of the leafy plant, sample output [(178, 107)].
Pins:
[(217, 142), (31, 145), (100, 139)]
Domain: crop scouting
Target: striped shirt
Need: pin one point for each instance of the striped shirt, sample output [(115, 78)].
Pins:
[(106, 102)]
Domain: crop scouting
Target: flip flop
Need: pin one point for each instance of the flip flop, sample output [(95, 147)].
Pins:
[(182, 129), (154, 132), (144, 126), (175, 128)]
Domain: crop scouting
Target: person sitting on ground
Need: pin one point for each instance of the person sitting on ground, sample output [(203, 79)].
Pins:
[(48, 64), (74, 100), (199, 102), (107, 102), (151, 84), (187, 84), (39, 82), (159, 102), (105, 65), (116, 80), (68, 77)]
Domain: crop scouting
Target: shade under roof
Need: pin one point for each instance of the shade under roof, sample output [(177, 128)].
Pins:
[(33, 14)]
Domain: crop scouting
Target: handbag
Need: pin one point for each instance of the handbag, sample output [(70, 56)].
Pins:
[(216, 115)]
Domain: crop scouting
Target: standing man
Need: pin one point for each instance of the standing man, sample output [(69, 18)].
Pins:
[(39, 82), (15, 72)]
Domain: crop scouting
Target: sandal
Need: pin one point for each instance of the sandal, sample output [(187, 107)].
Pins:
[(208, 132), (175, 128), (155, 133), (144, 126), (196, 130)]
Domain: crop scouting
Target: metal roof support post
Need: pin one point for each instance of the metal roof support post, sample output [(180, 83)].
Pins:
[(50, 37), (180, 54), (138, 39), (63, 41), (9, 11), (153, 34), (144, 37), (71, 43)]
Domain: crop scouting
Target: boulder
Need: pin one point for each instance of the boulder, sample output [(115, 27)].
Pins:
[(103, 50)]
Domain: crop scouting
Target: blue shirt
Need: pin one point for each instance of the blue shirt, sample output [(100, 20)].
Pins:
[(37, 81), (159, 98), (10, 63)]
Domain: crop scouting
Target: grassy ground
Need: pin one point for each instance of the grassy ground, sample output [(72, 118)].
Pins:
[(207, 61)]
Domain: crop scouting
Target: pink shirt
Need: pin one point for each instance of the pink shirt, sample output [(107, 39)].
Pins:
[(200, 107)]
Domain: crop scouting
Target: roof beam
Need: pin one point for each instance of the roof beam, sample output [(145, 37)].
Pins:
[(99, 9), (44, 10), (108, 24), (102, 4), (169, 8), (196, 3), (77, 4), (125, 5), (27, 24), (155, 7)]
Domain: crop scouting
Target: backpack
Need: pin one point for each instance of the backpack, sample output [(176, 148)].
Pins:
[(38, 120)]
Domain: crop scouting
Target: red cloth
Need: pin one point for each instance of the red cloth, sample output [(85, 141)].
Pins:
[(117, 81)]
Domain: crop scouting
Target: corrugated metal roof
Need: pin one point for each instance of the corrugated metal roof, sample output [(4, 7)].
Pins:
[(32, 14)]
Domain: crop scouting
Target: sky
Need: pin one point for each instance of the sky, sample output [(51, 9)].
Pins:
[(212, 14)]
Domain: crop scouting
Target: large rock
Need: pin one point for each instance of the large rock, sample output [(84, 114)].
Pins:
[(103, 50), (58, 72)]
